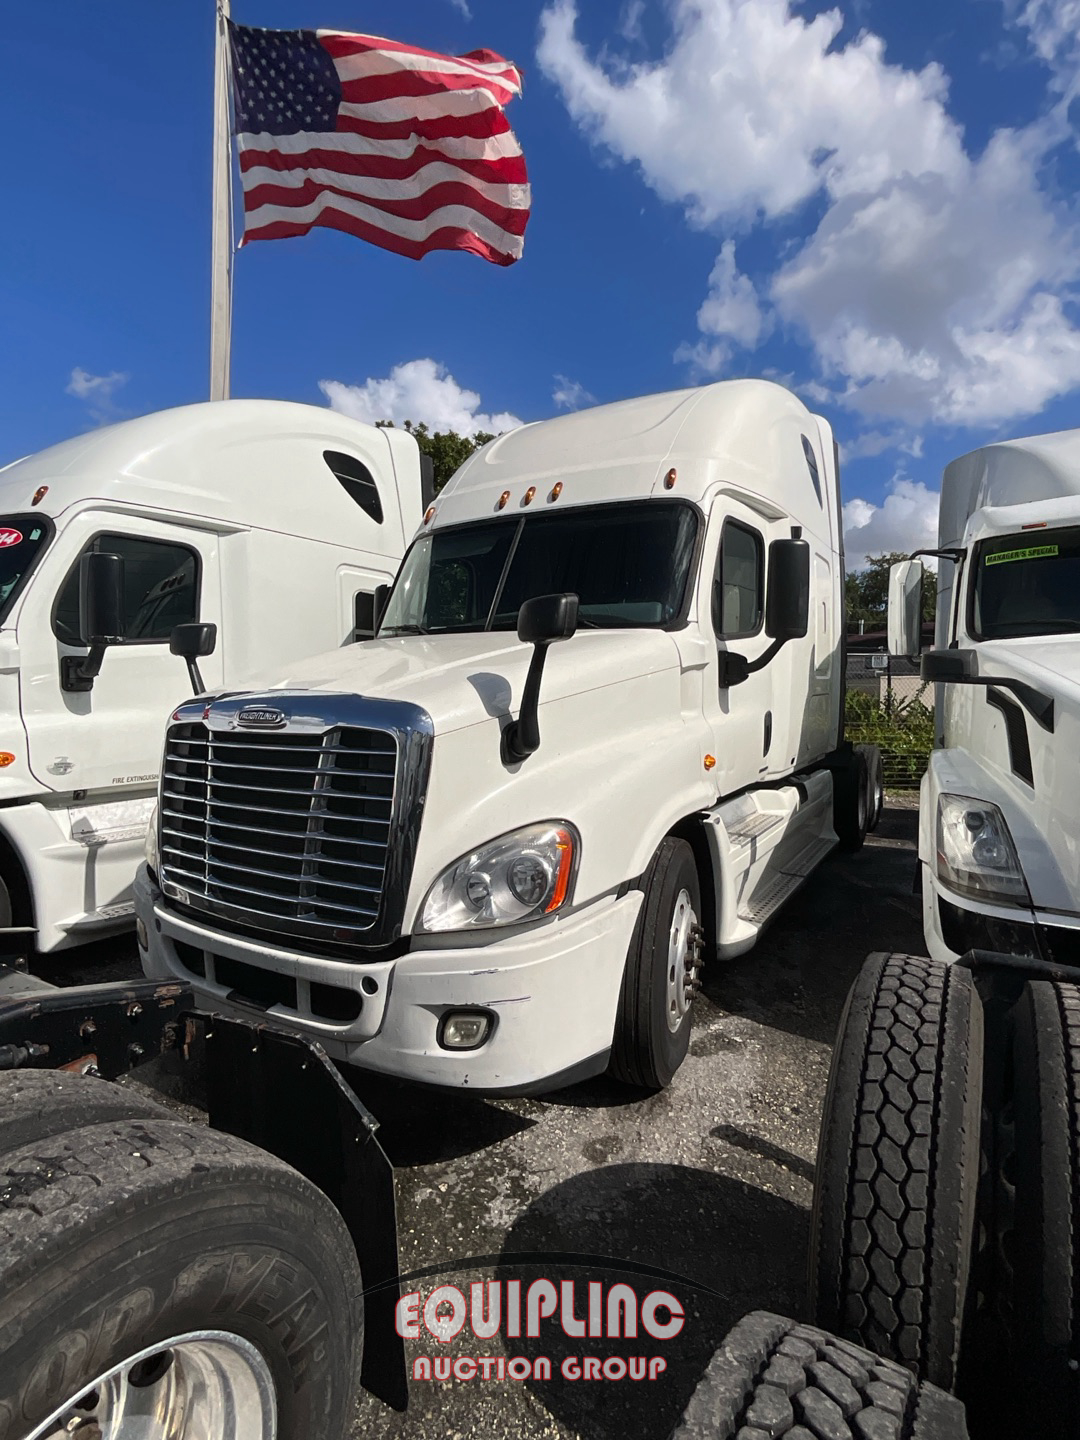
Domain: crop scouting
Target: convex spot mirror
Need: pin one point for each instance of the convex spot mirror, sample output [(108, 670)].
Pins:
[(190, 641), (905, 607), (787, 600)]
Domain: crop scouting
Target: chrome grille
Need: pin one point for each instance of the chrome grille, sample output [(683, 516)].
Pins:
[(293, 828)]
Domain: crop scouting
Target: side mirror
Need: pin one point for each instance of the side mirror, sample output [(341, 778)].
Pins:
[(787, 602), (905, 608), (546, 618), (190, 641), (541, 621), (101, 599), (101, 619)]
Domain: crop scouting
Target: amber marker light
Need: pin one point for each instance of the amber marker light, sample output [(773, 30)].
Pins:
[(428, 513), (710, 761), (501, 503), (1034, 525), (527, 498), (669, 480), (556, 490), (6, 758), (39, 494), (565, 847)]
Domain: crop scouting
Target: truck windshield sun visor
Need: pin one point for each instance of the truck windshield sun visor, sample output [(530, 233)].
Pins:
[(629, 564), (23, 538), (1027, 584)]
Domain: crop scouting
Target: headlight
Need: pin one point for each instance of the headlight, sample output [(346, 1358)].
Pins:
[(152, 856), (975, 852), (521, 876)]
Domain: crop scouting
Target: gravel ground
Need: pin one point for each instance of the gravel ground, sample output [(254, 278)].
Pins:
[(709, 1182)]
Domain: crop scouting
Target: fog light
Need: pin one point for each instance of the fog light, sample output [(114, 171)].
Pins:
[(464, 1029), (141, 935)]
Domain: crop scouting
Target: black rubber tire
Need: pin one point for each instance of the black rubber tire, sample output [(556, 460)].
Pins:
[(773, 1378), (898, 1165), (122, 1235), (37, 1104), (645, 1051), (875, 784), (1045, 1249), (851, 800)]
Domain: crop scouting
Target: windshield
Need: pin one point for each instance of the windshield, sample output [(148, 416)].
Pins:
[(628, 565), (1027, 584), (22, 539)]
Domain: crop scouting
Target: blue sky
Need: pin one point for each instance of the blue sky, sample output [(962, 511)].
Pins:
[(871, 202)]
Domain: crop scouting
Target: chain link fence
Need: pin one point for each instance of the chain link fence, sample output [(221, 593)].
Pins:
[(888, 705)]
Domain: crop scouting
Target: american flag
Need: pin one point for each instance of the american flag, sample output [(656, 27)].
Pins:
[(403, 147)]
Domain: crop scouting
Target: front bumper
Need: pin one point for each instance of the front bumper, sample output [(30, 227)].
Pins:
[(954, 924), (553, 991)]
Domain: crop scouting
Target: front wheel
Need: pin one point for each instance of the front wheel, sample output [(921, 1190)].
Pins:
[(160, 1278), (662, 975)]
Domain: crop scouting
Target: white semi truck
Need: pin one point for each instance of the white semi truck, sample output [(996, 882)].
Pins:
[(597, 740), (999, 840), (263, 526)]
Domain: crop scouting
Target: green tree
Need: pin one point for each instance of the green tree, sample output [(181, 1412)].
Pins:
[(867, 591), (448, 450)]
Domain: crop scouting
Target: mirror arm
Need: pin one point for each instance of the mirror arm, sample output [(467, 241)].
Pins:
[(522, 736), (949, 553), (197, 686), (78, 672), (766, 655)]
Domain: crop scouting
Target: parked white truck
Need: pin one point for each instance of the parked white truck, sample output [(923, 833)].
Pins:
[(273, 522), (999, 841), (452, 856)]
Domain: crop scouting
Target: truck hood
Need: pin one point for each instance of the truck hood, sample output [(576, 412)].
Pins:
[(1043, 813), (462, 680)]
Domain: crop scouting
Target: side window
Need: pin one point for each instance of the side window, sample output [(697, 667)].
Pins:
[(739, 587), (811, 460), (161, 589), (357, 481)]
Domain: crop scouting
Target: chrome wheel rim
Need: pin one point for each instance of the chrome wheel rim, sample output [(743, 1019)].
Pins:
[(682, 960), (207, 1383)]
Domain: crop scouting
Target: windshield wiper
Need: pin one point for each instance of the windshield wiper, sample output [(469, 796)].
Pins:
[(404, 630)]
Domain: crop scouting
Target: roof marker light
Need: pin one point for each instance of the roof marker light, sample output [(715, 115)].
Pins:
[(6, 759), (1034, 525), (669, 480), (428, 513), (710, 761), (500, 504), (39, 494), (556, 490), (527, 498)]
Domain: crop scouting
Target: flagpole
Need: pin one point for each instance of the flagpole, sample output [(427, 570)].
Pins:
[(221, 273)]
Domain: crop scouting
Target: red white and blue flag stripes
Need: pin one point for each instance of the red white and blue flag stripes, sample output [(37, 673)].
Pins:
[(400, 146)]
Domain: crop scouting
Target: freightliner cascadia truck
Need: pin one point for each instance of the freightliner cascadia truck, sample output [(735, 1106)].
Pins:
[(595, 744), (261, 525)]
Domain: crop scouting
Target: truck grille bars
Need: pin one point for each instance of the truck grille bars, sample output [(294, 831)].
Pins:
[(304, 828)]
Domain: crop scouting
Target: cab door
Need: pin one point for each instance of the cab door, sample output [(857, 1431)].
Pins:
[(108, 738), (742, 715)]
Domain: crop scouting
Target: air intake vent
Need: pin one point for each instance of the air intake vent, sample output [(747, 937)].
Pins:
[(357, 481)]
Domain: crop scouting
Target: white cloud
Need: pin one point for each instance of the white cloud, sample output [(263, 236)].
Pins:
[(1053, 29), (933, 285), (96, 392), (421, 391), (570, 394), (731, 307), (463, 7), (906, 521)]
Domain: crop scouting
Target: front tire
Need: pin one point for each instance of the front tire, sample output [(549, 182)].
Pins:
[(652, 1030), (772, 1377), (898, 1161), (137, 1258)]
